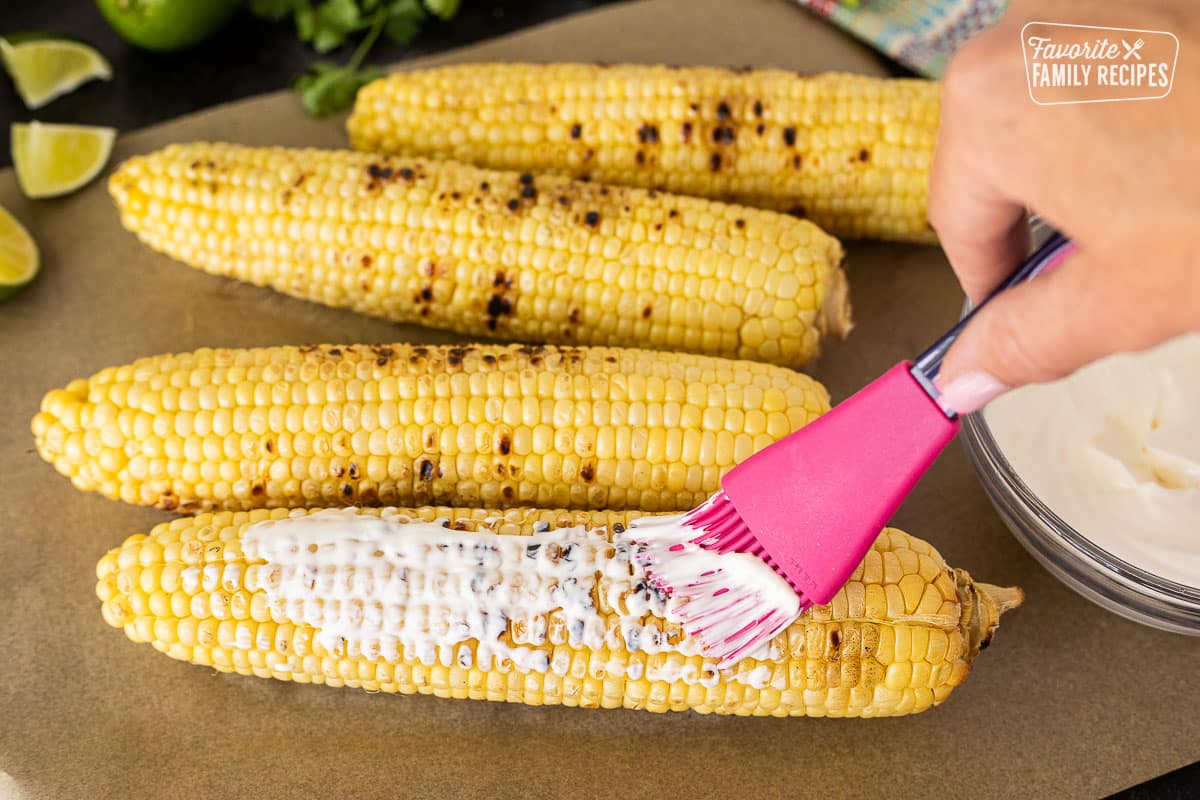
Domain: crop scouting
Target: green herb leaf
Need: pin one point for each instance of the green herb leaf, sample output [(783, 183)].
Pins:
[(399, 8), (333, 22), (404, 20), (326, 39), (343, 15), (315, 71), (306, 23), (443, 9), (329, 88), (402, 30)]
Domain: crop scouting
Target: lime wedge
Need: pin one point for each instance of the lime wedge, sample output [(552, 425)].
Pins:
[(44, 69), (18, 255), (56, 159)]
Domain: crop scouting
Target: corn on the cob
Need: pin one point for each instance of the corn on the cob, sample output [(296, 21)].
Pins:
[(489, 253), (400, 424), (896, 640), (849, 152)]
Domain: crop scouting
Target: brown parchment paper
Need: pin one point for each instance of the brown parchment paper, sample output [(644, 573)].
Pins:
[(1070, 701)]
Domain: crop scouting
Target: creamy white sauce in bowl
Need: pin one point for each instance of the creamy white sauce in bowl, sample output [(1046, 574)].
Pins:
[(1114, 451)]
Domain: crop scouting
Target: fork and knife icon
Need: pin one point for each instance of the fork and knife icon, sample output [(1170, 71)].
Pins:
[(1131, 50)]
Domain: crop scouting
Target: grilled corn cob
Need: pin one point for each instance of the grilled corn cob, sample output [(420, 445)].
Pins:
[(896, 640), (489, 253), (366, 425), (849, 152)]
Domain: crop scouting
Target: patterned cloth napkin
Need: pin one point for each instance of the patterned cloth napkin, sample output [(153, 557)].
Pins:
[(920, 34)]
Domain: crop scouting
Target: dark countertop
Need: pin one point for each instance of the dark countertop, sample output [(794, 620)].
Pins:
[(251, 56), (248, 57)]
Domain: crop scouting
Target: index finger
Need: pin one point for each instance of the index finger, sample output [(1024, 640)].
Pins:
[(981, 227)]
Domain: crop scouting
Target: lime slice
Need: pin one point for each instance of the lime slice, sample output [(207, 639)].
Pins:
[(44, 69), (56, 159), (18, 255)]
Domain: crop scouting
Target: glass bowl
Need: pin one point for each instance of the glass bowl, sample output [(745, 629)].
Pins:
[(1098, 575)]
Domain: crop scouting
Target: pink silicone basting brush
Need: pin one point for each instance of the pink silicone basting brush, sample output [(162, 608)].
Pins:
[(810, 505)]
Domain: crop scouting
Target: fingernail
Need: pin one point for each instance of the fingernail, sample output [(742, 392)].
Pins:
[(971, 391)]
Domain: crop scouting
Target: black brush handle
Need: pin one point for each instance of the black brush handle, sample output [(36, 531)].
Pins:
[(927, 365)]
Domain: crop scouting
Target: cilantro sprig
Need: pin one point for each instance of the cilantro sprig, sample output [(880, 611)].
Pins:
[(327, 88)]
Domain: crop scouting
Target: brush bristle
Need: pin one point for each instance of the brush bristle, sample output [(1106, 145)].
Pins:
[(722, 530), (733, 629), (720, 527), (733, 612)]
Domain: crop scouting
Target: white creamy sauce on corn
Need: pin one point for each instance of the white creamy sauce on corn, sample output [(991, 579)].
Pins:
[(377, 587), (1114, 450)]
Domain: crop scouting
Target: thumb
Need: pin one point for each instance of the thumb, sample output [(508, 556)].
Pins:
[(1045, 329)]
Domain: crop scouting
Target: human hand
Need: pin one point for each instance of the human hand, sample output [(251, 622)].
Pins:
[(1120, 179)]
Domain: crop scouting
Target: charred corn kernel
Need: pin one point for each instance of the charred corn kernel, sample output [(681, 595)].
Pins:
[(365, 425), (486, 253), (836, 660), (851, 153)]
